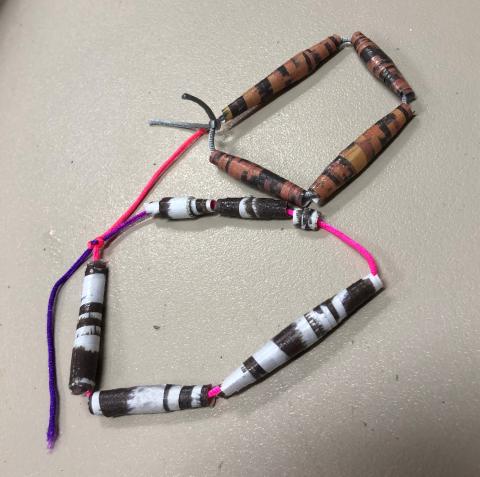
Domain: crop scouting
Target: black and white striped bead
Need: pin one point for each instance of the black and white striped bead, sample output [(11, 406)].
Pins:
[(148, 399), (305, 219), (252, 208), (301, 334), (86, 347), (178, 208)]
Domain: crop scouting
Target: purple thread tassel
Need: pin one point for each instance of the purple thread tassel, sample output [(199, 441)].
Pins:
[(52, 374), (52, 431)]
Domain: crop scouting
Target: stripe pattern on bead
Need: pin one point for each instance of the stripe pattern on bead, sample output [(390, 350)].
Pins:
[(305, 219), (360, 153), (301, 334), (252, 208), (286, 76), (179, 208), (259, 178), (148, 399), (86, 347), (382, 66)]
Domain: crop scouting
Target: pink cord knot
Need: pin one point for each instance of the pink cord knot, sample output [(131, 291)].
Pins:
[(97, 246), (97, 242)]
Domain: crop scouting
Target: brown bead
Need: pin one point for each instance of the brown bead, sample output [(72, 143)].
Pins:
[(284, 77), (259, 178), (381, 66), (352, 160)]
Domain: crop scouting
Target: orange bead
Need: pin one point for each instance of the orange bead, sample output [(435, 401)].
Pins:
[(352, 160), (291, 73)]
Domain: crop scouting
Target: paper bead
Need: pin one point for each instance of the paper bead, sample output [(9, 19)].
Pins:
[(305, 219), (252, 208), (177, 208), (289, 74), (301, 334), (86, 347), (148, 399), (259, 178), (381, 66), (367, 147)]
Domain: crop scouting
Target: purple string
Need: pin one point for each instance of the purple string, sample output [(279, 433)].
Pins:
[(52, 375), (52, 431), (121, 227)]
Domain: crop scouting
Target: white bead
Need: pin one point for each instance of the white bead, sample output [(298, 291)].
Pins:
[(152, 208), (179, 208)]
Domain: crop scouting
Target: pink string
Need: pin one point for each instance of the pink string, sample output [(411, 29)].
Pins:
[(99, 242), (214, 392), (349, 241)]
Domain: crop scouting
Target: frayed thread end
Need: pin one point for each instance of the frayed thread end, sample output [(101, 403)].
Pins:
[(51, 439)]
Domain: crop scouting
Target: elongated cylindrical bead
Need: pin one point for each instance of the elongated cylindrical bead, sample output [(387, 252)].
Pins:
[(289, 74), (367, 147), (178, 208), (301, 334), (382, 66), (86, 347), (148, 399), (260, 178), (252, 208)]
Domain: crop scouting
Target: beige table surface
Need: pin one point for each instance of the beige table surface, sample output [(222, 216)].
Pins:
[(394, 392)]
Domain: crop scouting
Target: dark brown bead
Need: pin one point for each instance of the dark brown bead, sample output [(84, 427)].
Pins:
[(381, 66), (252, 208)]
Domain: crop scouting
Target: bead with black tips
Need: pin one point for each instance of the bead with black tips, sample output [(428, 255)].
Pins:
[(86, 347), (301, 334), (149, 399), (179, 208)]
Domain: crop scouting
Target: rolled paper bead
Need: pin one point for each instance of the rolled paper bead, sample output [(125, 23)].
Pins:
[(367, 147), (286, 76), (382, 66), (148, 399), (301, 334), (260, 178), (86, 347), (305, 219), (178, 208), (252, 208)]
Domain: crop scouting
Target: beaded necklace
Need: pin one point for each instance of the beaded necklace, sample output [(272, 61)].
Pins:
[(291, 202)]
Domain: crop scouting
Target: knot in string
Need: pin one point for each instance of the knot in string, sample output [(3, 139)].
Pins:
[(96, 245)]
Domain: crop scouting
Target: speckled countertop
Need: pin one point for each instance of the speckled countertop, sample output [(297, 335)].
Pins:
[(394, 392)]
